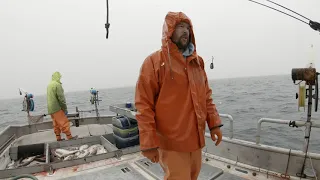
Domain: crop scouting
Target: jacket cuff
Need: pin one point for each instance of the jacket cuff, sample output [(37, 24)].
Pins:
[(148, 140), (213, 121)]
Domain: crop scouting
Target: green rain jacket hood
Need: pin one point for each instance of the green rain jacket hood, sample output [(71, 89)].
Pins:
[(55, 95)]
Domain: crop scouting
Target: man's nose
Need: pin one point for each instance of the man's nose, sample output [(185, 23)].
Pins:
[(186, 31)]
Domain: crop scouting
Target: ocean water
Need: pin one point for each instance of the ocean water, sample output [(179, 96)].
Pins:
[(245, 99)]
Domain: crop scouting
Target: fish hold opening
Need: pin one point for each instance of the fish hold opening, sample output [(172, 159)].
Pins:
[(27, 155)]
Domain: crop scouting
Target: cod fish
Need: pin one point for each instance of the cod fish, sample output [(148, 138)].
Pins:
[(64, 153), (93, 149), (101, 150), (70, 157), (11, 165), (27, 161), (84, 153), (34, 163), (78, 153), (83, 147), (72, 148), (40, 159)]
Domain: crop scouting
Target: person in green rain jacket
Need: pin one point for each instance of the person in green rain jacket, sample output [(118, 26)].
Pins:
[(57, 107)]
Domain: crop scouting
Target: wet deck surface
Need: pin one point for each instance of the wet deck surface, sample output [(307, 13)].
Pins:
[(123, 171), (132, 166), (49, 136), (207, 172), (151, 171)]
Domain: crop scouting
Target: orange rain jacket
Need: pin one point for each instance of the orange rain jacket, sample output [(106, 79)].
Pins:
[(173, 97)]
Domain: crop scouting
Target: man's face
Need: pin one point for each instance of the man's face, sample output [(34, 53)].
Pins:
[(181, 35)]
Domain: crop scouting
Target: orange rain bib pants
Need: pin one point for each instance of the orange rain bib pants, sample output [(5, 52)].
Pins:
[(180, 165), (61, 123)]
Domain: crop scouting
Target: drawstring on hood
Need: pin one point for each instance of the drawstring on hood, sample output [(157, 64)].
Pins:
[(171, 74), (171, 20)]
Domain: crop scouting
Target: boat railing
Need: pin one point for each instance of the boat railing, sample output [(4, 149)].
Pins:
[(291, 123), (230, 118)]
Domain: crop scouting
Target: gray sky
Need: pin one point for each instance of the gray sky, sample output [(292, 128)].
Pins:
[(38, 37)]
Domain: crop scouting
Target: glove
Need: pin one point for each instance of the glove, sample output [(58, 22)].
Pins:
[(216, 132), (152, 154), (66, 112)]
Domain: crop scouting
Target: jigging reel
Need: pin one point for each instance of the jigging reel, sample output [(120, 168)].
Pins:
[(95, 100), (28, 103), (94, 96), (310, 77)]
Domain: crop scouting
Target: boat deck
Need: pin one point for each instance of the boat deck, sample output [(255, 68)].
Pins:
[(127, 171), (136, 167), (48, 135), (132, 166)]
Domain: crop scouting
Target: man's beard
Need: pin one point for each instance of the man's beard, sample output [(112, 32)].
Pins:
[(181, 45)]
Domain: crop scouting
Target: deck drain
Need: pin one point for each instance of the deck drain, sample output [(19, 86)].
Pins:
[(125, 170), (147, 163), (240, 170)]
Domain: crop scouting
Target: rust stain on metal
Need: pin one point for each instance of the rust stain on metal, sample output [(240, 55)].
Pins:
[(74, 169), (43, 173)]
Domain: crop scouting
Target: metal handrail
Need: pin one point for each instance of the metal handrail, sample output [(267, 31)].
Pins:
[(282, 121), (230, 118)]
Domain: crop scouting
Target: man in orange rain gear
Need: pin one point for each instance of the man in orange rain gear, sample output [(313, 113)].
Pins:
[(57, 107), (174, 102)]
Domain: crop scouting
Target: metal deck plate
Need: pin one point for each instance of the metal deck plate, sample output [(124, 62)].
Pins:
[(154, 169), (123, 171), (228, 176)]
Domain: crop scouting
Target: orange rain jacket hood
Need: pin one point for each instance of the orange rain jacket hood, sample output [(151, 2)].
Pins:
[(173, 98)]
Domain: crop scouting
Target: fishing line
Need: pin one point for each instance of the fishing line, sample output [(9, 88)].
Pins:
[(288, 9), (279, 11), (313, 24)]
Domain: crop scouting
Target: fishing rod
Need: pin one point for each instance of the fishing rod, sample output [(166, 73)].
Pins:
[(313, 24)]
